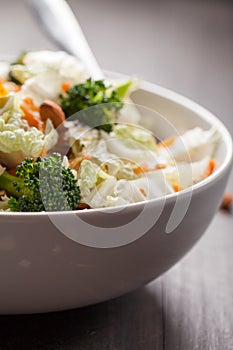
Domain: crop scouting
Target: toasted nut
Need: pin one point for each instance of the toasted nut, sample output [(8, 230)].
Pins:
[(11, 160), (82, 206), (51, 110), (227, 202)]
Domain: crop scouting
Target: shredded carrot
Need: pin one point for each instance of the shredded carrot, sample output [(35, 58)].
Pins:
[(3, 90), (43, 152), (75, 163), (146, 169), (210, 168), (31, 114), (18, 88), (141, 169), (166, 143), (142, 192), (87, 157), (160, 166), (176, 188), (31, 119), (10, 86), (66, 86), (29, 102)]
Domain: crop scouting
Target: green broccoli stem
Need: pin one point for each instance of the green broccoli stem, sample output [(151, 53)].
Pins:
[(58, 190), (12, 185)]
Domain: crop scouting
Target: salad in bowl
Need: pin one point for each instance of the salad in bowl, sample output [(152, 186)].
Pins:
[(68, 142), (104, 185)]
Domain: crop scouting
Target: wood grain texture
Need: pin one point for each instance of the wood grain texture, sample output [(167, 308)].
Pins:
[(186, 46), (119, 324), (198, 293)]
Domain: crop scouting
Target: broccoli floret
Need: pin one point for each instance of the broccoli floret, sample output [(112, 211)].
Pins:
[(41, 185), (106, 100)]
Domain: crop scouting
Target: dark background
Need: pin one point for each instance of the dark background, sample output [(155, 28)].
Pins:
[(186, 46)]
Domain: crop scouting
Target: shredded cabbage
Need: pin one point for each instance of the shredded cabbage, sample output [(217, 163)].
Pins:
[(185, 175), (138, 135), (117, 168), (17, 136), (194, 145), (133, 143), (46, 71), (91, 178)]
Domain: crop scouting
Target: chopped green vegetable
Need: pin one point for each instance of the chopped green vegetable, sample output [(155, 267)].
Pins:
[(19, 73), (8, 183), (44, 185), (20, 58), (123, 89), (135, 136), (89, 94)]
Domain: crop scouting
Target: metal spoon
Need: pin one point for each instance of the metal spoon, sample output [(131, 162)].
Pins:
[(62, 26)]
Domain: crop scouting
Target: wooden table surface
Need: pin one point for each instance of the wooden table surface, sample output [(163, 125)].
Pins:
[(186, 46)]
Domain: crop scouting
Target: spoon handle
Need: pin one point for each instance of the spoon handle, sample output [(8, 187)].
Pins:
[(62, 26)]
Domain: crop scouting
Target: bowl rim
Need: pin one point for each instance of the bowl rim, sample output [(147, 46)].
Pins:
[(175, 97)]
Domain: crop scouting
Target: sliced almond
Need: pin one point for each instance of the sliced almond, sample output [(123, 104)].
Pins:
[(51, 110)]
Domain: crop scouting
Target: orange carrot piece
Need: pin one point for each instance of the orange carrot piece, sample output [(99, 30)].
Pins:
[(43, 152), (29, 102), (87, 157), (141, 169), (31, 119), (10, 86), (142, 192), (3, 90), (176, 188), (211, 167), (17, 88), (30, 109), (160, 166), (66, 86), (166, 143), (75, 163), (146, 169)]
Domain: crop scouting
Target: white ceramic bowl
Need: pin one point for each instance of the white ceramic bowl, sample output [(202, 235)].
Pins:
[(41, 269)]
